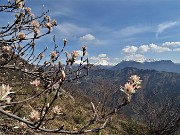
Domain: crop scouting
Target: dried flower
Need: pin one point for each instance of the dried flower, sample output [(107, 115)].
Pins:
[(57, 110), (34, 116), (65, 41), (35, 82), (54, 23), (128, 88), (74, 55), (22, 124), (7, 49), (41, 55), (36, 31), (49, 26), (27, 10), (132, 85), (137, 86), (19, 3), (63, 75), (53, 54), (4, 92), (45, 63), (135, 79), (21, 35), (21, 64), (35, 23)]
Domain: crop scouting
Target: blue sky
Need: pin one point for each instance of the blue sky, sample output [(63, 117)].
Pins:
[(114, 30)]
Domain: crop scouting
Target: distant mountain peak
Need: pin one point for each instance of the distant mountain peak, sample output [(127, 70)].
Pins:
[(104, 63), (160, 65), (141, 60)]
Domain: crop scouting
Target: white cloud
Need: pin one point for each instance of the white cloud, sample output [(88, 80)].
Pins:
[(163, 26), (130, 49), (176, 50), (143, 48), (92, 40), (171, 44), (87, 37), (102, 55), (158, 49)]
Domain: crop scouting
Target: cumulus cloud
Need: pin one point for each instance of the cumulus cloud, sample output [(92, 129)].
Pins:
[(87, 37), (163, 26), (171, 44), (145, 48), (138, 52), (158, 49), (130, 49)]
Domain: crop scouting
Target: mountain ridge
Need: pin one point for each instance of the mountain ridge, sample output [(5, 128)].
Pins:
[(162, 65)]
